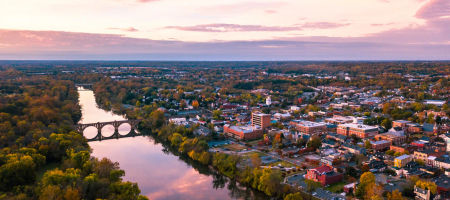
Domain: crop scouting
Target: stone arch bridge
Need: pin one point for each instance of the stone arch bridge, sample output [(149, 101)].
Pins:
[(99, 125)]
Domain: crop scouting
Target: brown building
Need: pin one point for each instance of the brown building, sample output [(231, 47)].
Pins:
[(403, 148), (360, 130), (260, 119), (393, 138), (325, 175), (309, 127), (400, 123), (424, 154), (243, 132), (380, 145)]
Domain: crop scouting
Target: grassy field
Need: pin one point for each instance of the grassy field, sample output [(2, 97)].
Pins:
[(282, 163), (248, 154), (235, 147), (336, 188)]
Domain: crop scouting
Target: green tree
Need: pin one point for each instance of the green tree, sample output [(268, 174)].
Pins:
[(294, 196), (386, 123)]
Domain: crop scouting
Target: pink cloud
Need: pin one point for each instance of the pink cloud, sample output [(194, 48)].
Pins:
[(270, 11), (253, 28), (146, 1), (434, 9), (129, 29), (233, 28), (323, 25), (399, 44)]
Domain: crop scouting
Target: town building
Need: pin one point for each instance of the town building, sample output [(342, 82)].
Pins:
[(422, 194), (402, 160), (400, 123), (405, 148), (380, 145), (309, 127), (324, 174), (337, 119), (243, 132), (361, 131), (260, 119), (393, 137), (268, 101), (424, 154)]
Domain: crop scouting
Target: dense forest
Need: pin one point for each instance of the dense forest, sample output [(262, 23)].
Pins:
[(41, 156)]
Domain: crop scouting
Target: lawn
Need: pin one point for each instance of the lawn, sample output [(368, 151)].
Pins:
[(235, 147), (336, 188), (249, 154), (282, 163)]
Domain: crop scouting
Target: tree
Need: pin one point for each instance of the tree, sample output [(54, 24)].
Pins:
[(314, 142), (269, 182), (217, 114), (395, 195), (294, 196), (256, 160), (195, 104), (367, 144), (386, 123), (367, 188), (427, 185)]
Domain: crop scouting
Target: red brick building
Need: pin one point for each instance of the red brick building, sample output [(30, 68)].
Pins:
[(324, 174), (308, 127), (260, 119), (360, 130), (380, 145), (243, 132)]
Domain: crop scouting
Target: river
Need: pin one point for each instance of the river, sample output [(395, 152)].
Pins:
[(159, 173)]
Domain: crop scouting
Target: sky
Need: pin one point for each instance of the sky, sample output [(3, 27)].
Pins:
[(225, 30)]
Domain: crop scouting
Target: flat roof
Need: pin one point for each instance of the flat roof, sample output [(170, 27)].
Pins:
[(309, 123), (358, 126), (245, 129), (403, 157)]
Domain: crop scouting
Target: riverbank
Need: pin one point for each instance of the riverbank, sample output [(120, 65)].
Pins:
[(160, 170)]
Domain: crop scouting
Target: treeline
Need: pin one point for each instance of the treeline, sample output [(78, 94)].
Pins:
[(41, 156)]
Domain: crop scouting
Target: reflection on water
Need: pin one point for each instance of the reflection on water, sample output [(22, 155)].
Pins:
[(159, 173)]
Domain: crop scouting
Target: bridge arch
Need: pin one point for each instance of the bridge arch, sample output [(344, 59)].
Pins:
[(115, 124)]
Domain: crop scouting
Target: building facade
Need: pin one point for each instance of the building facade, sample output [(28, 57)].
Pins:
[(324, 175), (361, 131), (310, 128), (243, 132), (260, 119)]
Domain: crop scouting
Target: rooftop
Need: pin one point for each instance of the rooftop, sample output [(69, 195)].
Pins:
[(308, 123), (245, 129), (403, 157), (358, 126)]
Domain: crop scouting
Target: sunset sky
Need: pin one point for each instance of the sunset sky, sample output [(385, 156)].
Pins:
[(225, 30)]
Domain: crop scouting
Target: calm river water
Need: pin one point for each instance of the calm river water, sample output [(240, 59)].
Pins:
[(159, 173)]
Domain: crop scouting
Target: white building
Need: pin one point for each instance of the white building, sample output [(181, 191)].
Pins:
[(268, 101)]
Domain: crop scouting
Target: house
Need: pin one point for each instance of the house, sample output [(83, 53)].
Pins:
[(201, 130), (337, 137), (422, 194), (424, 154), (353, 148), (324, 174), (400, 123), (443, 186)]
